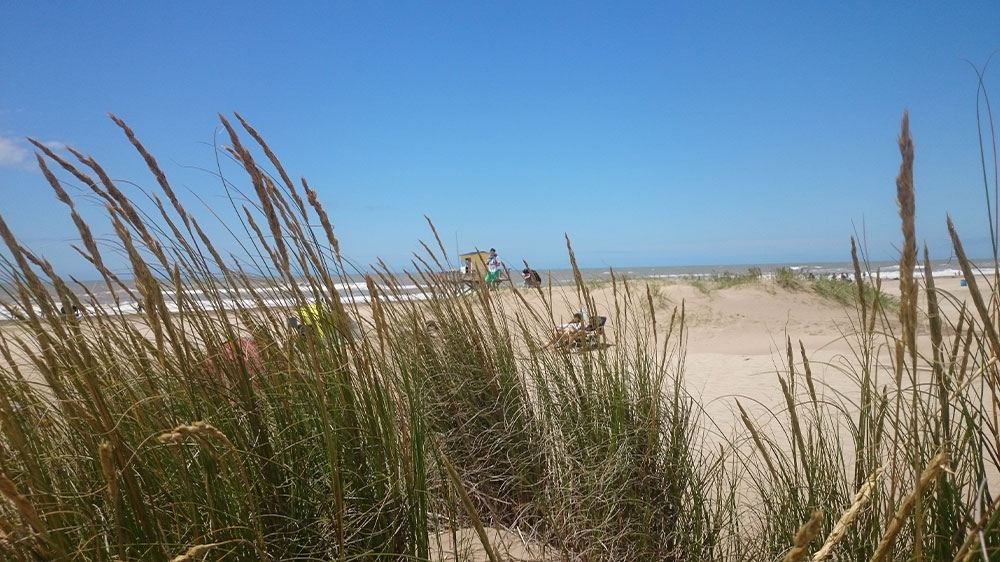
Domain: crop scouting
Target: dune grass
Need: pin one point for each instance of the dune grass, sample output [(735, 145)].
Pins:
[(725, 280), (843, 292), (212, 431)]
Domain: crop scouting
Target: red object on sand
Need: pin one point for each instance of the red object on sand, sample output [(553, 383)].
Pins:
[(246, 347)]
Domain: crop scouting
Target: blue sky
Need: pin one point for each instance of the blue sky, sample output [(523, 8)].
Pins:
[(660, 133)]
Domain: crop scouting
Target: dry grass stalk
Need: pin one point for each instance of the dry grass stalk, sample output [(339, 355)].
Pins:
[(652, 310), (61, 194), (198, 429), (21, 504), (470, 509), (83, 178), (15, 541), (861, 499), (378, 313), (806, 533), (863, 303), (5, 532), (275, 162), (906, 507), (808, 372), (123, 207), (34, 284), (969, 379), (260, 187), (933, 313), (965, 553), (434, 231), (758, 441), (260, 235), (104, 453), (977, 296), (211, 248), (796, 426), (908, 253), (323, 219), (161, 178), (195, 552), (144, 282), (84, 229), (279, 204), (338, 306)]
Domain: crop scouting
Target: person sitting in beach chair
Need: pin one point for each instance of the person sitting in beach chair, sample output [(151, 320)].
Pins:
[(592, 332), (579, 333), (566, 334)]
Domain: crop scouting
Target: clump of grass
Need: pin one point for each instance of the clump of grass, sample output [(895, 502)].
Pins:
[(725, 280), (846, 293), (787, 278), (837, 290), (204, 425), (657, 296)]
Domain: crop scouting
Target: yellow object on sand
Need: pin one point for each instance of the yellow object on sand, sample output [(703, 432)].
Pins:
[(310, 316)]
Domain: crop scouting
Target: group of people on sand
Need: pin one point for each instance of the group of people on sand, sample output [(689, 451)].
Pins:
[(494, 266), (76, 314), (565, 335), (245, 348), (307, 320)]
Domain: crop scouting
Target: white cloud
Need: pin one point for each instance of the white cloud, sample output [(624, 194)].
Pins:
[(16, 153), (13, 154)]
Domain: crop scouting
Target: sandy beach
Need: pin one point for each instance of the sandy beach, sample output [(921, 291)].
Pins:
[(736, 337), (734, 349)]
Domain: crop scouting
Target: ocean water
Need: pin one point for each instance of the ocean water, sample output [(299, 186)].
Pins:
[(96, 296)]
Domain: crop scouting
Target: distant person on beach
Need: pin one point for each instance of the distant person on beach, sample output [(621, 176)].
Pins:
[(77, 315), (531, 278), (237, 358), (493, 267), (566, 334)]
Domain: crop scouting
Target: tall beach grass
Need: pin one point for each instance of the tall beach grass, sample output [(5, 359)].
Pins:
[(390, 428)]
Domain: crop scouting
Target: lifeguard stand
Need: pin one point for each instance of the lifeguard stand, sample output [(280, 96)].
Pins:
[(476, 262)]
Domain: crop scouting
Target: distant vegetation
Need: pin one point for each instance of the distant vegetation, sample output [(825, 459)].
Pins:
[(725, 280), (845, 292)]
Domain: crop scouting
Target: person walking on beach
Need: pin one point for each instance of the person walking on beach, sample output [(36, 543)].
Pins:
[(493, 266)]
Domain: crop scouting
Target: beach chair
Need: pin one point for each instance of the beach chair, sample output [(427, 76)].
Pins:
[(592, 333)]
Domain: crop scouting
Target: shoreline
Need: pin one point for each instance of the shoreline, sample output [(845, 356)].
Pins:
[(355, 288)]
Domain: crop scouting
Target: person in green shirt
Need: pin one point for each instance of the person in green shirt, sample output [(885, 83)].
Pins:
[(493, 267)]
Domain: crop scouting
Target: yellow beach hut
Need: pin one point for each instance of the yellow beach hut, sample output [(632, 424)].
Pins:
[(474, 263)]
